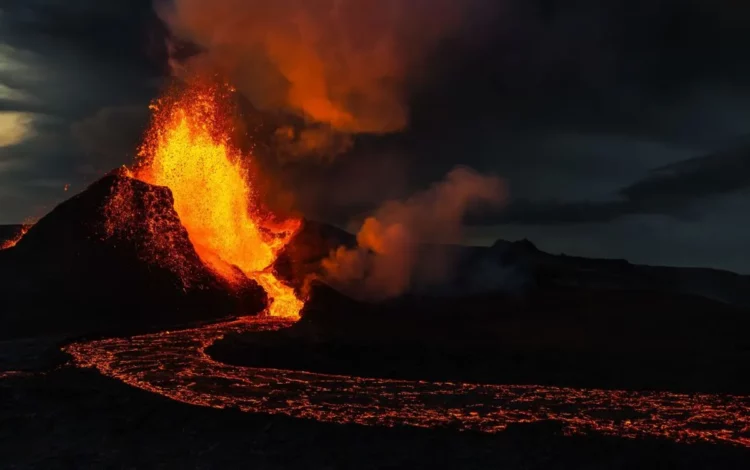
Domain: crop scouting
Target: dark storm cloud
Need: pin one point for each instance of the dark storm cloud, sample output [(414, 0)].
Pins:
[(599, 66), (678, 185), (614, 75), (109, 136), (119, 31), (669, 190), (717, 239), (61, 64)]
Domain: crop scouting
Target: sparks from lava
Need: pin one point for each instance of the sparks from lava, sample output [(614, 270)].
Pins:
[(17, 238), (188, 149)]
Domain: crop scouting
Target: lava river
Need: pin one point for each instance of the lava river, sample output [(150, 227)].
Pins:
[(175, 364)]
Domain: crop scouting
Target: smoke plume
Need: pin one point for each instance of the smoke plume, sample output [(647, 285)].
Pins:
[(340, 65), (390, 257)]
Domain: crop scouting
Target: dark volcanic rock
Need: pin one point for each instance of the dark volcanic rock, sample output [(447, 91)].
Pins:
[(565, 337), (561, 271), (552, 318), (301, 258), (519, 269), (114, 256)]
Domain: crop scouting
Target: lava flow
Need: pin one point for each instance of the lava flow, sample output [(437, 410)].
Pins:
[(189, 150), (175, 365), (17, 238)]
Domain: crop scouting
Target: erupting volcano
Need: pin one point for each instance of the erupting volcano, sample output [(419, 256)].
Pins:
[(188, 149)]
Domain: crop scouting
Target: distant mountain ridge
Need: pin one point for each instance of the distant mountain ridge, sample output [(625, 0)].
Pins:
[(515, 267), (518, 267)]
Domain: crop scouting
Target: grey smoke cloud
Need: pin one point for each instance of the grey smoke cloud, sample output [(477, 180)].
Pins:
[(388, 260)]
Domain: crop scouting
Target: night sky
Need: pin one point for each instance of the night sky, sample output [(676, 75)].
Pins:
[(620, 128)]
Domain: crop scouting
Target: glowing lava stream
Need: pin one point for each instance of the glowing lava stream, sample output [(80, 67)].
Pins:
[(16, 238), (174, 364), (189, 150)]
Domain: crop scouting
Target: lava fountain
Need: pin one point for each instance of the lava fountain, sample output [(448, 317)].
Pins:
[(188, 149)]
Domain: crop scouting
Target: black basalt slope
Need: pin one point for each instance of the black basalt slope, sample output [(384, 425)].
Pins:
[(110, 258)]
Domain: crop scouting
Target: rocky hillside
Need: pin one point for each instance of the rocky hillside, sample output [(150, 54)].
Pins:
[(519, 268), (114, 256)]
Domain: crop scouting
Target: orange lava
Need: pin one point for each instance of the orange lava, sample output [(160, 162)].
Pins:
[(175, 364), (17, 238), (188, 149)]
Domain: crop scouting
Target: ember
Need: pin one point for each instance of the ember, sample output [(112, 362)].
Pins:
[(17, 238)]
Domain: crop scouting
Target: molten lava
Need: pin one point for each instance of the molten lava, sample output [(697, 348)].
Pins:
[(175, 364), (189, 150), (17, 238)]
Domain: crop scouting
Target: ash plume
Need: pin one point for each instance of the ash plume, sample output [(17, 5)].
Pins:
[(389, 259), (343, 66)]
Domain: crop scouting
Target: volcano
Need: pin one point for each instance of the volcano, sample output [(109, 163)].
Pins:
[(76, 271), (183, 233)]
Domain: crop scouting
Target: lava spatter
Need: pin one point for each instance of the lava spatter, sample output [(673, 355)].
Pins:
[(188, 149), (10, 243)]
